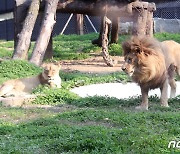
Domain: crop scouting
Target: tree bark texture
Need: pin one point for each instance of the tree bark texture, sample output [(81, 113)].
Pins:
[(49, 51), (24, 38), (105, 41), (139, 10), (96, 7), (98, 41), (149, 24), (80, 24), (20, 12), (114, 31), (45, 32), (140, 19)]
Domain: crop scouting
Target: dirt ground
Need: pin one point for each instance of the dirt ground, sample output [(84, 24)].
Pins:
[(92, 65)]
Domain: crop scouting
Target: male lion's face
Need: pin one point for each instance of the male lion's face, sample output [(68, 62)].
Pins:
[(129, 64), (50, 71)]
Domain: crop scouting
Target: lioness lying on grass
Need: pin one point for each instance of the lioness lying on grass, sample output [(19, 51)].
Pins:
[(20, 87)]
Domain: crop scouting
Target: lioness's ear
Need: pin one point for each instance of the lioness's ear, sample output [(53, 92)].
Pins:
[(58, 64), (43, 65)]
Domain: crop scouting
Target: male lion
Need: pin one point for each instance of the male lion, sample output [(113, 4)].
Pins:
[(152, 64), (20, 87)]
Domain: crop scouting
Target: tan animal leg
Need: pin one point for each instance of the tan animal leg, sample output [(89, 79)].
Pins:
[(171, 75), (172, 84), (164, 94), (5, 89), (178, 71), (144, 104)]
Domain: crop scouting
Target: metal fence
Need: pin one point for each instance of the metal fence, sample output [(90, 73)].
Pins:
[(91, 24), (168, 10)]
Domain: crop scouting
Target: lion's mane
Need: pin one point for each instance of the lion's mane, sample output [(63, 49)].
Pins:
[(150, 68)]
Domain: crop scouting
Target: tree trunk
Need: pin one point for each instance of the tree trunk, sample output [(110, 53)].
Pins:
[(114, 31), (80, 24), (149, 25), (105, 53), (140, 20), (49, 51), (23, 44), (45, 32), (98, 41), (20, 12), (94, 7)]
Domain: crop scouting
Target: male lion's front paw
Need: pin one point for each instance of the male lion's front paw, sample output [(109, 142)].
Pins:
[(164, 105), (141, 107)]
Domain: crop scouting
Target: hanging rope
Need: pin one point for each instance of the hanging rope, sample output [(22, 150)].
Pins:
[(105, 41)]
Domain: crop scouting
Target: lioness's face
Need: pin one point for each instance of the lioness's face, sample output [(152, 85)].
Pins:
[(50, 71), (129, 64)]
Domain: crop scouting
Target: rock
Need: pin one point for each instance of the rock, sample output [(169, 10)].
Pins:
[(17, 101)]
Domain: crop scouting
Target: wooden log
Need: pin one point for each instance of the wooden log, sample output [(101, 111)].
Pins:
[(149, 24), (80, 24), (20, 12), (98, 41), (140, 19), (114, 31), (23, 44), (97, 7), (105, 43), (49, 51), (45, 32)]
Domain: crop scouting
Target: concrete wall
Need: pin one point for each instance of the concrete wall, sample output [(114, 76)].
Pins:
[(166, 25), (125, 27), (160, 26)]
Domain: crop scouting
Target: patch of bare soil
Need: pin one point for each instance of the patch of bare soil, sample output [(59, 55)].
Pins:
[(33, 112), (55, 109), (92, 65)]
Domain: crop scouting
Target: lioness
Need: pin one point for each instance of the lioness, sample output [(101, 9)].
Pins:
[(50, 75), (152, 64)]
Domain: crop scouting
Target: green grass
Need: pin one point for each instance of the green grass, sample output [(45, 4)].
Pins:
[(85, 125), (17, 69), (6, 49), (93, 130), (7, 44), (6, 52), (76, 47), (167, 36)]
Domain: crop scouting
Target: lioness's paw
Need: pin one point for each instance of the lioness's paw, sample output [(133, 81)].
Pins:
[(144, 108)]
